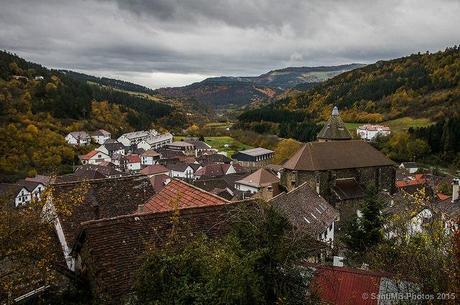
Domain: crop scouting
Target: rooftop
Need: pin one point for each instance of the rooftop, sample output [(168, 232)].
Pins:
[(260, 178), (334, 129), (178, 194), (332, 155), (154, 170), (259, 151)]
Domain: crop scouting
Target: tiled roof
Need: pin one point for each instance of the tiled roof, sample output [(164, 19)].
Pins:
[(371, 127), (180, 144), (106, 170), (154, 169), (80, 135), (211, 171), (177, 166), (198, 144), (331, 155), (104, 198), (89, 155), (133, 158), (113, 146), (40, 178), (150, 153), (213, 158), (116, 245), (306, 210), (260, 178), (159, 182), (180, 195), (344, 286), (101, 132), (334, 129)]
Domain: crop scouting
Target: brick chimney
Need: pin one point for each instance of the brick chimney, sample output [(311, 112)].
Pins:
[(455, 189)]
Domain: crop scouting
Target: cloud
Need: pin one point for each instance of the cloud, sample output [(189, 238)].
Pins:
[(170, 42)]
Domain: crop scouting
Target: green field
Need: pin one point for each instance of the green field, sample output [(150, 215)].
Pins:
[(221, 143), (396, 125)]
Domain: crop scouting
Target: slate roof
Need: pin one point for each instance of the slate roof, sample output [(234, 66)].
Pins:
[(260, 178), (116, 245), (259, 151), (113, 146), (306, 210), (316, 156), (227, 181), (177, 166), (178, 194), (103, 198), (347, 189), (334, 129), (198, 144), (101, 132), (45, 180), (80, 135), (154, 169), (107, 171), (214, 158)]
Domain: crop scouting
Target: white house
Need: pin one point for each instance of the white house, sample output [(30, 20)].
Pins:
[(262, 179), (155, 142), (23, 191), (149, 157), (94, 157), (183, 170), (78, 138), (100, 136), (134, 138), (133, 162), (369, 132), (411, 167), (112, 147)]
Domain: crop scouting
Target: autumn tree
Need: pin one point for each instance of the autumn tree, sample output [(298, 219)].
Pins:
[(285, 149)]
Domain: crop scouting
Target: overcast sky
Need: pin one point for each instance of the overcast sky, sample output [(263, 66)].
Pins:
[(161, 43)]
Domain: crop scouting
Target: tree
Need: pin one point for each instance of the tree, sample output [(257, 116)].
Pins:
[(365, 231), (285, 149), (258, 262)]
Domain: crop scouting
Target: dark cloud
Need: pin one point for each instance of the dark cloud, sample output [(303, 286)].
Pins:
[(170, 42)]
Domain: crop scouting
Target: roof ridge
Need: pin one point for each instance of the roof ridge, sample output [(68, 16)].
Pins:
[(100, 179), (201, 190)]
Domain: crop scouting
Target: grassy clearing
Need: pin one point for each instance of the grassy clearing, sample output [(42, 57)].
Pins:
[(223, 144)]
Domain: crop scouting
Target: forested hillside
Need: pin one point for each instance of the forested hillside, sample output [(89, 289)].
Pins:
[(39, 106), (420, 85)]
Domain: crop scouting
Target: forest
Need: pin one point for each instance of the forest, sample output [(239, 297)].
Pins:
[(38, 107)]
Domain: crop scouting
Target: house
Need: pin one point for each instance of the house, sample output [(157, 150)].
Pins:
[(184, 147), (339, 171), (108, 171), (112, 247), (134, 138), (155, 141), (343, 286), (334, 129), (100, 136), (410, 167), (369, 132), (218, 170), (45, 180), (219, 184), (22, 191), (149, 157), (254, 157), (159, 181), (182, 170), (102, 198), (178, 194), (309, 212), (153, 170), (78, 138), (112, 147), (94, 157), (262, 181), (200, 146), (213, 158), (133, 162)]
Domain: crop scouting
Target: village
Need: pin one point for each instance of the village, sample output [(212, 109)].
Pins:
[(137, 180)]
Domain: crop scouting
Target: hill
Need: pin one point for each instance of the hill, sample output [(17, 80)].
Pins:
[(39, 106), (418, 86), (224, 91)]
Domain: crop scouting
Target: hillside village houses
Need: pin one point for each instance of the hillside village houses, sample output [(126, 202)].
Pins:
[(78, 138), (370, 132), (155, 142), (100, 136), (254, 157), (23, 191), (94, 157)]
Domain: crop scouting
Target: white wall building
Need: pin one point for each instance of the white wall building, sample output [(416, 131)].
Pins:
[(134, 138), (155, 142), (369, 132), (78, 138), (94, 157), (100, 136)]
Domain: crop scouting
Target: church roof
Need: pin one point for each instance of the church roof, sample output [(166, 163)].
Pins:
[(334, 129), (316, 156)]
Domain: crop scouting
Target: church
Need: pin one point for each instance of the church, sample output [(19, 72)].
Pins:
[(339, 168)]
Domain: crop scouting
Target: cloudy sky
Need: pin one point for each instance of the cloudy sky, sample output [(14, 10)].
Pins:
[(175, 42)]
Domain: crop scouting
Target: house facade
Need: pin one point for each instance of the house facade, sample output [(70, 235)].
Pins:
[(94, 157), (262, 182), (155, 142), (149, 157), (22, 192), (78, 138), (369, 132), (254, 157), (100, 136), (134, 138)]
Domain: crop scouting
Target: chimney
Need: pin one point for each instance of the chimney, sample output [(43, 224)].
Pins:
[(455, 189), (140, 208)]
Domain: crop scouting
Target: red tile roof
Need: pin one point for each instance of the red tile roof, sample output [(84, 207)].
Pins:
[(344, 286), (89, 155), (133, 158), (418, 180), (181, 195), (154, 170)]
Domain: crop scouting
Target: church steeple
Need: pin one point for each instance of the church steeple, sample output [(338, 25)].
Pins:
[(334, 129)]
